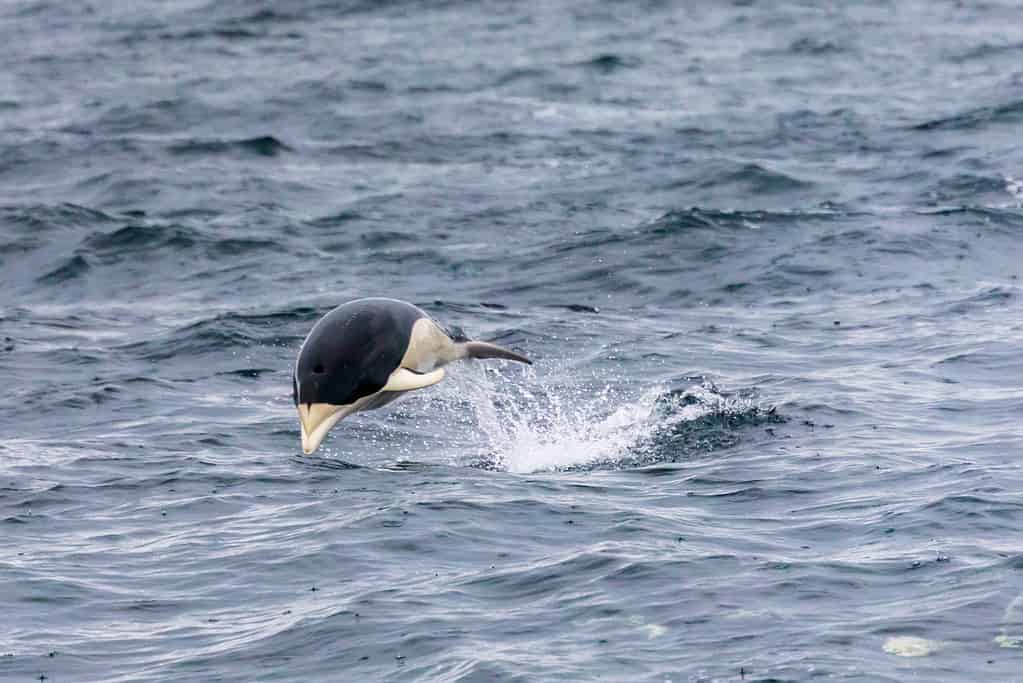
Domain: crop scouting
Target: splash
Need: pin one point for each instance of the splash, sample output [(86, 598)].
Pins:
[(529, 426)]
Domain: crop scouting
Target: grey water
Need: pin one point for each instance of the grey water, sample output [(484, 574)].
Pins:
[(765, 255)]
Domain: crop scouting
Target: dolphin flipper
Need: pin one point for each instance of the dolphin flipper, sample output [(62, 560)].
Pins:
[(404, 379)]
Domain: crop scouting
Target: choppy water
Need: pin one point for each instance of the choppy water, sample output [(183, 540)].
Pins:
[(766, 256)]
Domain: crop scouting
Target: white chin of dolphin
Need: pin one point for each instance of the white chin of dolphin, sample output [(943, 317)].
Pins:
[(316, 420)]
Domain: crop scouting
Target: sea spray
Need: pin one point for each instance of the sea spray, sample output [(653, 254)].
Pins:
[(527, 425)]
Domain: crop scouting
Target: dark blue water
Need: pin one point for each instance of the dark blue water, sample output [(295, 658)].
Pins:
[(766, 256)]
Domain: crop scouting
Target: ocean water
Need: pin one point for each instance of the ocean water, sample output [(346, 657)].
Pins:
[(765, 255)]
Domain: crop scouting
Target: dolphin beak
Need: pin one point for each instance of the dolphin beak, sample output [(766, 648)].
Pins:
[(316, 420)]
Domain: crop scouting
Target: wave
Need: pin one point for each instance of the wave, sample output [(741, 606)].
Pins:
[(263, 145), (609, 63), (70, 269), (36, 217), (224, 333), (135, 238), (977, 117), (732, 178)]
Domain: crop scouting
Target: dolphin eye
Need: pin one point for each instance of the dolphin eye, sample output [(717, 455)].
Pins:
[(318, 369)]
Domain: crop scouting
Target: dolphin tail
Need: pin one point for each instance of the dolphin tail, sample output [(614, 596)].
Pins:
[(481, 349)]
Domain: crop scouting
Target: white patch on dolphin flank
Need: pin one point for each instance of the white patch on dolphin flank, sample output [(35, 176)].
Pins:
[(429, 347), (910, 646)]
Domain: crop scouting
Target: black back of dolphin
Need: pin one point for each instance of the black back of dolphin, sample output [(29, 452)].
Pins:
[(352, 351)]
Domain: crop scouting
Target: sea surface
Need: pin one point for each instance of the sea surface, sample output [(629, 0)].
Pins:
[(766, 257)]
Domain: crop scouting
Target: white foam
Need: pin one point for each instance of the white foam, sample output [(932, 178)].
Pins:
[(652, 631), (910, 646), (1014, 186), (528, 426), (1011, 630)]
